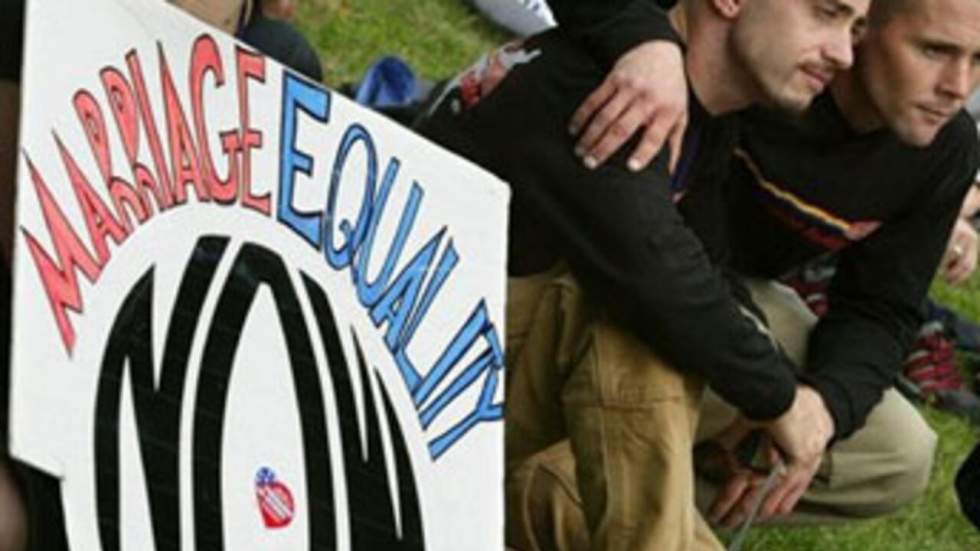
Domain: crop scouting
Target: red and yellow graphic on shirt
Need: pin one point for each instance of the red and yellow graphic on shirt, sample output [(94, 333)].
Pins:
[(814, 223)]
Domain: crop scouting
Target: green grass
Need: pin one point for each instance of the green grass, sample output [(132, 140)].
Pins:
[(963, 298), (439, 37), (932, 523)]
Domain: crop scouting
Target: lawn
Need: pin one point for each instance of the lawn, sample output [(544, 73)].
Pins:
[(438, 37)]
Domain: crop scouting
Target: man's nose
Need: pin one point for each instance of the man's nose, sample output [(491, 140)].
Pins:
[(957, 78), (839, 50)]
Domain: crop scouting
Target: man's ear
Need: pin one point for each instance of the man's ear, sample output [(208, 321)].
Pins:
[(729, 9)]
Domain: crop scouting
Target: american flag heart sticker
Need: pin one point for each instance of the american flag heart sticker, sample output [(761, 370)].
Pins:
[(275, 499)]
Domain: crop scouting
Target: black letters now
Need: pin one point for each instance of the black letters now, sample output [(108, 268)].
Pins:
[(158, 409)]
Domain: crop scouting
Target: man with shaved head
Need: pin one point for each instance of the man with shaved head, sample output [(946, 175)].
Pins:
[(644, 317)]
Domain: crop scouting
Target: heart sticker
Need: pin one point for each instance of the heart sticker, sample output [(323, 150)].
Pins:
[(275, 499)]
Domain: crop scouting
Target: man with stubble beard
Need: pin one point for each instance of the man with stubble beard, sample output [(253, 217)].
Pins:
[(609, 251)]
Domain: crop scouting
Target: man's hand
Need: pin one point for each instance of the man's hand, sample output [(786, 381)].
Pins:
[(743, 483), (961, 253), (801, 434), (647, 87), (799, 437)]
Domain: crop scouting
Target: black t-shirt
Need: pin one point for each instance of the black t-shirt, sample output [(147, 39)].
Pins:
[(619, 231)]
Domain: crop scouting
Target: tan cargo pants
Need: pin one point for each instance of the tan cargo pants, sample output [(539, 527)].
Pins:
[(580, 388)]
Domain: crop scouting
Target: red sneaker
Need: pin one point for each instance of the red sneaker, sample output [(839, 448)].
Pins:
[(931, 365)]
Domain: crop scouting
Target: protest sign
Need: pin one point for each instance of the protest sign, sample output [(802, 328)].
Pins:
[(248, 313)]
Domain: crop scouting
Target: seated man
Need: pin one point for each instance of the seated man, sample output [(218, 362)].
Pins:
[(268, 31), (278, 9), (876, 170), (263, 26), (593, 377)]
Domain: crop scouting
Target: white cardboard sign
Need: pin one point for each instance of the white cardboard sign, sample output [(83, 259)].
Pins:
[(248, 313)]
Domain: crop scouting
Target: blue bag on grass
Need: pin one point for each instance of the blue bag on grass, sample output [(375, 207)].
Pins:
[(388, 82)]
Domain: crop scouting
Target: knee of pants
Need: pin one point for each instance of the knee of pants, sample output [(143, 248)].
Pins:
[(916, 459), (544, 510), (910, 461), (618, 370)]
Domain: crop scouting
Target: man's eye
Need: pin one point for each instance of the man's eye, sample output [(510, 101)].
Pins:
[(827, 11), (827, 14)]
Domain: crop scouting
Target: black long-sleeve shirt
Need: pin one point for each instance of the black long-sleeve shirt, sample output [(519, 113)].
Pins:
[(620, 231), (611, 27), (801, 189), (811, 187)]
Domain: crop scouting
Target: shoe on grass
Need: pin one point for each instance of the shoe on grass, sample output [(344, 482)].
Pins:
[(931, 366)]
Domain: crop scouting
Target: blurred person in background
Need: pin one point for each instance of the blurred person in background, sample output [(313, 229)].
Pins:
[(263, 25)]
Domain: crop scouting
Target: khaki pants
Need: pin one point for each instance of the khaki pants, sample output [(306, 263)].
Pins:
[(578, 387), (629, 418)]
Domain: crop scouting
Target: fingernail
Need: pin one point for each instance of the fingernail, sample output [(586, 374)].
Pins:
[(579, 151), (634, 165), (590, 162)]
